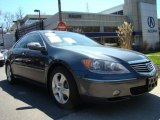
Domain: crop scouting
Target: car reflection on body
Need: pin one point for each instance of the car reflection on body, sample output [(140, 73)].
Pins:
[(74, 67)]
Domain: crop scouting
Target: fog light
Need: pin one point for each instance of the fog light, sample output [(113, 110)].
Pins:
[(116, 93)]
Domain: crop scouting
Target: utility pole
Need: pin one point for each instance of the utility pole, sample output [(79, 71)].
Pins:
[(59, 8), (87, 7)]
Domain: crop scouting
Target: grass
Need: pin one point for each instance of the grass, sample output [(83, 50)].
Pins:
[(155, 57)]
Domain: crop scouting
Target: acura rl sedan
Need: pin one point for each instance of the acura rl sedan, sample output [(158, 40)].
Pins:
[(74, 67)]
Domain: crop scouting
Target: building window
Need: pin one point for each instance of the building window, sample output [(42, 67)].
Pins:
[(110, 29), (118, 12)]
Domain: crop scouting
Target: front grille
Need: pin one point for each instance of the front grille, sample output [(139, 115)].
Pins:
[(143, 67)]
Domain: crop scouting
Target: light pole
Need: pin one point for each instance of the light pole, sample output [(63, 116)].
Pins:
[(39, 13), (16, 22), (2, 36), (16, 32), (59, 8)]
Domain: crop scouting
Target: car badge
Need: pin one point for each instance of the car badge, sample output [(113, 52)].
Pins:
[(149, 66)]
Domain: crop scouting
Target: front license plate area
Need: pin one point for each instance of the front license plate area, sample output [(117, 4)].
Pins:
[(151, 83)]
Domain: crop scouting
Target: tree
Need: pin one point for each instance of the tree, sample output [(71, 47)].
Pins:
[(19, 14), (8, 20), (125, 35)]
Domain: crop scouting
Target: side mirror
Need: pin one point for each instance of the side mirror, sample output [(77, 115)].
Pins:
[(35, 46)]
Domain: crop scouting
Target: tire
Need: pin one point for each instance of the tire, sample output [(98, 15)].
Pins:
[(9, 74), (63, 88)]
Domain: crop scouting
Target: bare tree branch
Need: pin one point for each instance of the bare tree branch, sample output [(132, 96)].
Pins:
[(19, 14), (8, 20)]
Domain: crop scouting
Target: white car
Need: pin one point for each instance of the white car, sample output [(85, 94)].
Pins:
[(1, 60)]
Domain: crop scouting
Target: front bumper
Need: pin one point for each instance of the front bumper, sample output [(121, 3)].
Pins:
[(119, 88)]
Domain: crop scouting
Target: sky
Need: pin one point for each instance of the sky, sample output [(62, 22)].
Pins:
[(51, 6)]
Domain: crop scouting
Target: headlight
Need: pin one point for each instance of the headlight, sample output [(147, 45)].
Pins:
[(104, 67)]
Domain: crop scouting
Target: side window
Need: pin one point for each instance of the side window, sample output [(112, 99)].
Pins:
[(36, 38), (21, 42), (33, 37)]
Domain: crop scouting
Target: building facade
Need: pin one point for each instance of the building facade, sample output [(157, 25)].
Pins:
[(7, 41)]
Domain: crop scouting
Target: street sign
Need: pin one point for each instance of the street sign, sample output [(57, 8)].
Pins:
[(61, 26)]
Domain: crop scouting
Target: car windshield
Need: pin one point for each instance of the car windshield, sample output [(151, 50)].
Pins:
[(69, 39)]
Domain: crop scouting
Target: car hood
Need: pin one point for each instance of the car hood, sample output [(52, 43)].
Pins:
[(101, 52)]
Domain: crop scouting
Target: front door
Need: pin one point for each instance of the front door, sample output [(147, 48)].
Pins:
[(35, 65), (34, 62)]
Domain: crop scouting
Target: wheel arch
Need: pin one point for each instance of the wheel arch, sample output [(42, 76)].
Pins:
[(60, 64)]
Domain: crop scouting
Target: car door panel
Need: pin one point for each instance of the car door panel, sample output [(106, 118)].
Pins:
[(17, 61), (35, 65)]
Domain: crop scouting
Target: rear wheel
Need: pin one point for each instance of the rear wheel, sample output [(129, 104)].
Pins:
[(10, 77), (63, 88)]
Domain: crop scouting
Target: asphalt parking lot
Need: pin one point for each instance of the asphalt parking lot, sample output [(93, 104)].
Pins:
[(24, 101)]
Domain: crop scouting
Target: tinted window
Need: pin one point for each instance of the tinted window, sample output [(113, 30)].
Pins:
[(21, 42), (33, 37)]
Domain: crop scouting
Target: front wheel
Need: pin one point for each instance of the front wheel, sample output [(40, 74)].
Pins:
[(63, 88), (9, 74)]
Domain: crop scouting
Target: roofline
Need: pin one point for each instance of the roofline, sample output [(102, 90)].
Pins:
[(115, 7), (35, 16), (84, 13)]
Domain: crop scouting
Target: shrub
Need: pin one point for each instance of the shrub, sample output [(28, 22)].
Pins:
[(125, 35)]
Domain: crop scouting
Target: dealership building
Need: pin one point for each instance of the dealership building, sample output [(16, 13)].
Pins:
[(102, 26), (142, 14)]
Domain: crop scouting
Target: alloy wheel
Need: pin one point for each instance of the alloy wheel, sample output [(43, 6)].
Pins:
[(60, 88)]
